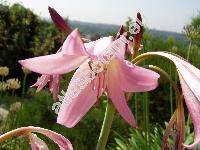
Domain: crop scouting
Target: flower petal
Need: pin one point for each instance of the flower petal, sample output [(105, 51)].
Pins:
[(193, 105), (41, 82), (90, 47), (81, 95), (37, 143), (62, 142), (136, 79), (53, 64), (190, 81), (73, 45), (54, 86), (102, 44), (117, 95), (116, 49)]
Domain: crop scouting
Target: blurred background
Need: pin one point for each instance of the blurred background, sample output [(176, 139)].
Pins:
[(26, 30)]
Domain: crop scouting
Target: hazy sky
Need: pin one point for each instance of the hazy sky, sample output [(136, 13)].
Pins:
[(169, 15)]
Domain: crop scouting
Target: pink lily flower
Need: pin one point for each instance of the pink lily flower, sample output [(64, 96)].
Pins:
[(73, 58), (41, 82), (116, 77), (54, 84), (35, 142), (190, 82), (53, 80)]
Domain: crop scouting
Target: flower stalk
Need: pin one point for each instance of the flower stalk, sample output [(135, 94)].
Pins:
[(177, 119), (189, 50), (107, 123), (24, 85), (169, 79)]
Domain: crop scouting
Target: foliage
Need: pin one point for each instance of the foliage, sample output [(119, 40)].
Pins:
[(18, 26), (137, 141), (36, 110), (192, 30)]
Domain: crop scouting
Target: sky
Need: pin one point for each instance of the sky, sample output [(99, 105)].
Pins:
[(169, 15)]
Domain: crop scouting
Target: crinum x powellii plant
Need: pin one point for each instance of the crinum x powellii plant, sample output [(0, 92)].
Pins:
[(102, 67)]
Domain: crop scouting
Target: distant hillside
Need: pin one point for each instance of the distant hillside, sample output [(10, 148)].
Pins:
[(95, 28), (104, 29), (166, 34)]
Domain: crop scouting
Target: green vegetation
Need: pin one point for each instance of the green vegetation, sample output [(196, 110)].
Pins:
[(24, 34)]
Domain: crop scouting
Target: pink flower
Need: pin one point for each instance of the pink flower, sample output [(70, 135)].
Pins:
[(54, 84), (35, 142), (190, 82), (116, 77), (53, 78)]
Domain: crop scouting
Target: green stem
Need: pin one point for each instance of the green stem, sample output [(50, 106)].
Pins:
[(107, 123), (24, 85), (189, 50), (180, 119), (146, 55), (13, 93), (146, 118), (2, 79), (146, 109), (1, 92), (169, 79), (136, 107)]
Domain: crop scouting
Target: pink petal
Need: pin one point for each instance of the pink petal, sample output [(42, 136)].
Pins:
[(37, 143), (73, 45), (107, 49), (117, 95), (79, 98), (102, 44), (136, 79), (54, 86), (120, 46), (53, 64), (90, 47), (72, 54), (190, 83), (41, 82), (63, 143), (97, 47), (193, 105)]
